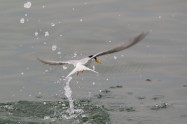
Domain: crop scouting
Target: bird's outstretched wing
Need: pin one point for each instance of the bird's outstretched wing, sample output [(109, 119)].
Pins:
[(49, 62), (122, 46)]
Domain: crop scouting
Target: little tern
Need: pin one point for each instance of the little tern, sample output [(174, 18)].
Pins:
[(82, 64)]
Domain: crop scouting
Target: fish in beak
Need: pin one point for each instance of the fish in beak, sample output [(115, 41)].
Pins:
[(97, 61)]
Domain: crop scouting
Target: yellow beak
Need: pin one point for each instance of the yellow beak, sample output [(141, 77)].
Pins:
[(97, 61)]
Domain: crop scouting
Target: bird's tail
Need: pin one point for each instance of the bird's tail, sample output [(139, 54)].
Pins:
[(79, 69), (86, 68)]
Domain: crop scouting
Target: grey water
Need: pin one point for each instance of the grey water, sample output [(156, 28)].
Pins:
[(144, 84)]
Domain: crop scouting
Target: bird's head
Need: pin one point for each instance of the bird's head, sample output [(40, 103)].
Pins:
[(96, 60)]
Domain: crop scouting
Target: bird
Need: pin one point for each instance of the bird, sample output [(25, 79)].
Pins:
[(82, 64)]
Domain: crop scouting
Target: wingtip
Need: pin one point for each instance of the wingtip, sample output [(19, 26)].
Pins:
[(42, 60), (141, 36), (39, 59)]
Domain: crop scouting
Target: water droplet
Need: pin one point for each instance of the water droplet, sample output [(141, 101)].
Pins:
[(46, 33), (36, 33), (59, 53), (46, 70), (93, 83), (64, 67), (115, 57), (27, 5), (52, 24), (81, 20), (22, 73), (54, 47), (22, 20)]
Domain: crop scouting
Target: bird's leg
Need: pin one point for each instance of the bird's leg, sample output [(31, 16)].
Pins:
[(82, 71)]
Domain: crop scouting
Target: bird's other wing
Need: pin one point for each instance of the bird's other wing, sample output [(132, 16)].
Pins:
[(50, 62), (123, 46)]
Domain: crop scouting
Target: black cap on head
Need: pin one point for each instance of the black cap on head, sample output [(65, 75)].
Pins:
[(90, 56)]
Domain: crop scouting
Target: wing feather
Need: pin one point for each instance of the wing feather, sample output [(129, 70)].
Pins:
[(49, 62), (122, 46)]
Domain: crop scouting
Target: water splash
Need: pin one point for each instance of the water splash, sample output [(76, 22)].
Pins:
[(71, 111)]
